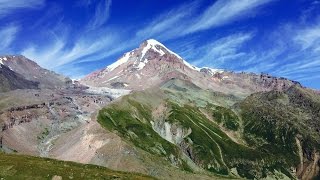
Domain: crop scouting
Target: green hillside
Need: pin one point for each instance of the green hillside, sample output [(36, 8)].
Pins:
[(253, 138), (27, 167)]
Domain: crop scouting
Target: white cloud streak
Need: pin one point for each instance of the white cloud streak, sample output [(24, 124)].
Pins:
[(62, 48), (7, 6), (101, 15), (224, 12), (8, 34), (182, 20), (309, 37), (169, 24), (219, 51), (57, 54)]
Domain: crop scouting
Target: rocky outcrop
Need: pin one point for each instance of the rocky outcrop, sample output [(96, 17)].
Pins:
[(309, 166), (10, 80), (31, 71), (1, 142), (170, 132), (19, 115)]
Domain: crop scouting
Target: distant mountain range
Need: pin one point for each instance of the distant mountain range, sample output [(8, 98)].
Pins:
[(152, 112)]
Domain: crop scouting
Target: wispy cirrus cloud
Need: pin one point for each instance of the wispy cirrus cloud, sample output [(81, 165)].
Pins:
[(6, 6), (101, 14), (218, 51), (169, 24), (182, 20), (291, 50), (309, 37), (304, 56), (224, 12), (95, 42), (166, 26), (57, 53), (8, 34), (62, 48)]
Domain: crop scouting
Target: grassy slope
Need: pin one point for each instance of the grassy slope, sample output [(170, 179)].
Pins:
[(278, 119), (274, 119), (27, 167), (208, 146)]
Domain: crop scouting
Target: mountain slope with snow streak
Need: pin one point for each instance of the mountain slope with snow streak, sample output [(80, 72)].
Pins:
[(153, 64)]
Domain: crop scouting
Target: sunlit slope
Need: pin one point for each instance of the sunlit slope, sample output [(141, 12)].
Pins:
[(287, 125), (219, 134), (27, 167)]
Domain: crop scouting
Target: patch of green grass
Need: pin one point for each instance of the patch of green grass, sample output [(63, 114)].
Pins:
[(208, 141), (207, 145), (133, 123), (44, 134), (273, 120), (27, 167), (225, 116)]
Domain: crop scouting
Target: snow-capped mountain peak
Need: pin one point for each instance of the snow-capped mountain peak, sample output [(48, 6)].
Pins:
[(160, 48), (141, 56), (157, 47), (151, 63)]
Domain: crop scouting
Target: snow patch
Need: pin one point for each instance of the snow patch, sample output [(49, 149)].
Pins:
[(142, 64), (3, 59), (213, 71), (116, 64), (191, 66), (138, 76), (225, 77), (154, 43), (115, 77), (151, 44), (114, 93)]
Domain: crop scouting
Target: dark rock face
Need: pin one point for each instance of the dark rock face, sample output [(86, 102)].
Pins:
[(31, 71), (10, 80), (118, 85)]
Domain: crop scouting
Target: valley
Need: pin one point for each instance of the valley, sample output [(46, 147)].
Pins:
[(153, 113)]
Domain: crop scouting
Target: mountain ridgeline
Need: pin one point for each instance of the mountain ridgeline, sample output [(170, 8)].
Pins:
[(18, 72), (152, 112)]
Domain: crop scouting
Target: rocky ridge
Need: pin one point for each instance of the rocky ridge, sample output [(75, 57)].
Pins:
[(31, 71)]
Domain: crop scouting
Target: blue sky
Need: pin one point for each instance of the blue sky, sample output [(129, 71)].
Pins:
[(280, 37)]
